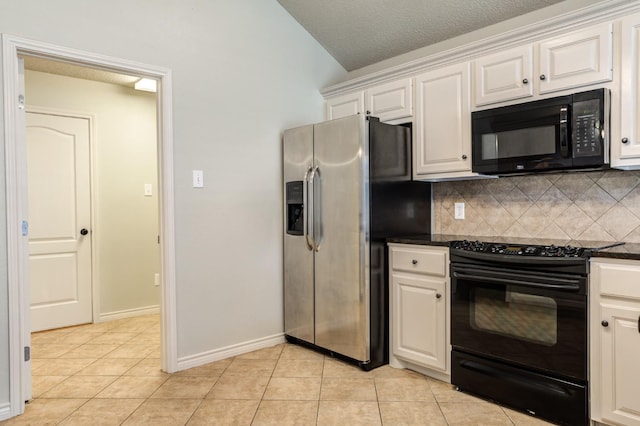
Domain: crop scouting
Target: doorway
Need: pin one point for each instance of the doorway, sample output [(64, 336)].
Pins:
[(120, 218), (16, 183)]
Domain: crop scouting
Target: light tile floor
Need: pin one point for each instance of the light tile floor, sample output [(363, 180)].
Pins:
[(109, 374)]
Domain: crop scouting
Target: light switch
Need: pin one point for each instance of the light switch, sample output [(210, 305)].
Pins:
[(459, 210), (198, 179), (148, 190)]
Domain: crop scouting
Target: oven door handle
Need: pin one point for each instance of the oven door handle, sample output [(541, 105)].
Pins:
[(567, 285)]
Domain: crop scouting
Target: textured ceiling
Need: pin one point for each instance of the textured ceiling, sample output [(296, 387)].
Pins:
[(358, 33)]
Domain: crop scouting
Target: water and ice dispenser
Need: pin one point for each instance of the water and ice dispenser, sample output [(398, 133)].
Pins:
[(295, 208)]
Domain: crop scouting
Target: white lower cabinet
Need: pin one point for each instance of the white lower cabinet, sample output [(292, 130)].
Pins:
[(419, 328), (615, 341)]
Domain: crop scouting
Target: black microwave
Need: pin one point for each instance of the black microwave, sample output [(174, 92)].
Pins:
[(561, 133)]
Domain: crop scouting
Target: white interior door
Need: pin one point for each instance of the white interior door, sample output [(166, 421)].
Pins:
[(58, 173)]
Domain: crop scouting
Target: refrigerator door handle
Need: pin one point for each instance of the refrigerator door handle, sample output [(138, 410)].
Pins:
[(312, 207), (317, 207), (306, 209)]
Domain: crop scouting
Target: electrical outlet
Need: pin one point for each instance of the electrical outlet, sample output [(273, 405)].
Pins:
[(459, 210)]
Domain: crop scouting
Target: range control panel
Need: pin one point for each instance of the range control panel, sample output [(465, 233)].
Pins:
[(518, 250)]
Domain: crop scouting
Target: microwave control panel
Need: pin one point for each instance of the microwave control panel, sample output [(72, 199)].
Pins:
[(587, 128)]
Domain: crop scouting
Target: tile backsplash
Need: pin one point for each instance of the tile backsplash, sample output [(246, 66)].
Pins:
[(588, 206)]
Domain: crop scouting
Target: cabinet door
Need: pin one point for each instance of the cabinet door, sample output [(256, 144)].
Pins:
[(626, 152), (620, 374), (390, 101), (442, 141), (504, 76), (418, 315), (345, 105), (577, 59)]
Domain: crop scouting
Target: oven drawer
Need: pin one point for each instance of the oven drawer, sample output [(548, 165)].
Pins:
[(431, 260)]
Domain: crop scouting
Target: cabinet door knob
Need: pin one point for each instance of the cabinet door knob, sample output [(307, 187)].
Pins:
[(525, 81), (438, 295), (414, 261), (368, 112), (543, 77), (464, 156), (625, 140), (605, 323), (84, 231)]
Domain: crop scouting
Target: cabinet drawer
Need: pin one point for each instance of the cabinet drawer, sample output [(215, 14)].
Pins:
[(421, 261), (618, 279)]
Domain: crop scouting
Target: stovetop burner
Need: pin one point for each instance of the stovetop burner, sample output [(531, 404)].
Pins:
[(519, 250)]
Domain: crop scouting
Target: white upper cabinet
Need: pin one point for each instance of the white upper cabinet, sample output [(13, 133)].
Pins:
[(504, 76), (389, 101), (625, 152), (576, 59), (442, 130), (345, 105)]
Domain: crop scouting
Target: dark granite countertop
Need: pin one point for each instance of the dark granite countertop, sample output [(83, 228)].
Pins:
[(602, 249)]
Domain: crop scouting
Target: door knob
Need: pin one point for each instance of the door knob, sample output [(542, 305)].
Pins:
[(605, 323), (625, 140), (84, 231), (543, 77), (438, 295)]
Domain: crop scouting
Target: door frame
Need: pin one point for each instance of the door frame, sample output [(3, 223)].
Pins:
[(16, 200)]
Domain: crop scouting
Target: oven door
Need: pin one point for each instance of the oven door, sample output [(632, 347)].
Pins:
[(521, 138), (536, 320)]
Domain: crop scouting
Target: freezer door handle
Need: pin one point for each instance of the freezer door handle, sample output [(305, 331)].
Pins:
[(312, 207), (316, 184), (305, 209)]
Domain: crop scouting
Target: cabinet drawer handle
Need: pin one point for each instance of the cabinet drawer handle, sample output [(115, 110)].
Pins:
[(625, 140), (525, 81), (464, 156), (438, 296), (605, 323), (543, 77), (414, 261)]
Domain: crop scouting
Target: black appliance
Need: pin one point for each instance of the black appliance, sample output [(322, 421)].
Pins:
[(561, 133), (519, 327)]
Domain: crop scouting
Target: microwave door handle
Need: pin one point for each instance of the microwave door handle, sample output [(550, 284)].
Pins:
[(564, 133)]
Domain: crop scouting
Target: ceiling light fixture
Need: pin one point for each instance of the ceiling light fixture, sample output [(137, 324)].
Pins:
[(146, 84)]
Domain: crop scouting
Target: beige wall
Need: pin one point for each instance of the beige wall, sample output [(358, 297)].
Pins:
[(125, 226), (242, 72), (588, 206)]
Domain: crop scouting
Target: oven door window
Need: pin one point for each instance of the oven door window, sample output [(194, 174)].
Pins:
[(515, 315), (538, 327)]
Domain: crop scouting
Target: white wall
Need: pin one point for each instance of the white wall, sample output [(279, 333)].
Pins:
[(243, 70), (125, 230)]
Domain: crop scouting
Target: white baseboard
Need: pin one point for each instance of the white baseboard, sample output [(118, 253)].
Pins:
[(128, 313), (5, 411), (202, 358)]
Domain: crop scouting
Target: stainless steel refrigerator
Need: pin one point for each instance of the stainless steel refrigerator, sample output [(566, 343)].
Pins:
[(347, 187)]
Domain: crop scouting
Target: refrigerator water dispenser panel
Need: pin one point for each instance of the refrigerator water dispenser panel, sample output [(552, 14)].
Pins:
[(295, 208)]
